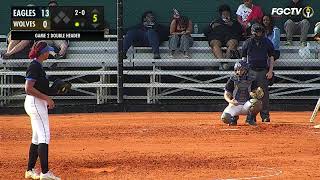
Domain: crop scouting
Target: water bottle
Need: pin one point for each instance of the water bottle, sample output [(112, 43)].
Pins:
[(195, 28)]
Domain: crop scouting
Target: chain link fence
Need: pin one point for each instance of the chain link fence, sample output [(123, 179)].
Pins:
[(189, 74)]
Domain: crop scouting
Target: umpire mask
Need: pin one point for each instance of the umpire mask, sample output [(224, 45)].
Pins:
[(257, 31)]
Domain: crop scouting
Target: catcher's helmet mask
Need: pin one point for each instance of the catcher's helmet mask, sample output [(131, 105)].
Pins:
[(241, 68)]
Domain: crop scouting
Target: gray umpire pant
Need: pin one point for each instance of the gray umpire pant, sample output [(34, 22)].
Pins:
[(300, 28), (182, 42), (263, 82)]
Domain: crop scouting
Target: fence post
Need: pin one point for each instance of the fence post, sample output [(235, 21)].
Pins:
[(120, 50)]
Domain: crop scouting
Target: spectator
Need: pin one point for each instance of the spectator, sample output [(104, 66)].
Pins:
[(258, 52), (248, 14), (180, 31), (224, 32), (17, 49), (60, 46), (296, 24), (273, 34), (147, 33), (317, 32)]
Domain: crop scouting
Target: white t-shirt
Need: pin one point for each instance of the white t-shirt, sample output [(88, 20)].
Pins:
[(244, 12)]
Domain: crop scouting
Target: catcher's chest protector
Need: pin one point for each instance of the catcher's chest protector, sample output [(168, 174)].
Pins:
[(242, 88)]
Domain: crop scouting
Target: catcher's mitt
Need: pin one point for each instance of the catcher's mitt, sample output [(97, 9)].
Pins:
[(60, 87), (257, 94), (256, 106)]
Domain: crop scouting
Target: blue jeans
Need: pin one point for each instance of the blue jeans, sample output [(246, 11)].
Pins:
[(142, 38)]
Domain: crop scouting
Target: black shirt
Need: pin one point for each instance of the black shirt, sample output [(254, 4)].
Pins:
[(36, 73), (296, 18), (257, 52)]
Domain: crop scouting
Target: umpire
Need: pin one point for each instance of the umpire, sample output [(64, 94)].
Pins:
[(258, 52)]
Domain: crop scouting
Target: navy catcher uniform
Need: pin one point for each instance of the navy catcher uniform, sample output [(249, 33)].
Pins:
[(36, 105), (237, 94)]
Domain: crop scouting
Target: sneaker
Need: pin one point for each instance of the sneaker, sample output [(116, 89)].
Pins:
[(171, 55), (49, 176), (303, 44), (288, 43), (233, 121), (266, 120), (224, 67), (251, 123), (156, 56), (31, 174), (186, 55)]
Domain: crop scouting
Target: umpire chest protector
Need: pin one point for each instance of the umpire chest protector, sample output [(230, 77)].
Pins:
[(242, 88), (258, 52)]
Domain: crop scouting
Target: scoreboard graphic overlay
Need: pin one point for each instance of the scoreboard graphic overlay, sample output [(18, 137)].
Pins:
[(57, 22)]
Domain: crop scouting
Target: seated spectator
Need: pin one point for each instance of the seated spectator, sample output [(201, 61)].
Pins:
[(273, 34), (60, 46), (17, 49), (147, 33), (317, 32), (296, 24), (248, 14), (224, 32), (180, 35)]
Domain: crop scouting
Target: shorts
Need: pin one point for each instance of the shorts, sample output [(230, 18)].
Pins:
[(222, 38)]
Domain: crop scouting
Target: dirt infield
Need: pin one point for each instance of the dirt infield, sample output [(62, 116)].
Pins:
[(166, 146)]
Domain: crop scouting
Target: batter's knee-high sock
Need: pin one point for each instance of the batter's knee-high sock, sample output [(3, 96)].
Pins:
[(43, 155), (33, 156)]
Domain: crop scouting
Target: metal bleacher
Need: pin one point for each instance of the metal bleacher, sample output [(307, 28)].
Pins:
[(92, 69)]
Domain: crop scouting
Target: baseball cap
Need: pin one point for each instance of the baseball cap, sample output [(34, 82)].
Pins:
[(257, 28)]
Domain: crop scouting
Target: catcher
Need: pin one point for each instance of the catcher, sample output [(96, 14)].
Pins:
[(237, 94)]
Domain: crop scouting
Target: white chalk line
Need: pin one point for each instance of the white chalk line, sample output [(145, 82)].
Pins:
[(274, 172), (229, 129)]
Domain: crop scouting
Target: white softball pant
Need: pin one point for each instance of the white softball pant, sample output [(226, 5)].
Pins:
[(38, 112), (237, 110)]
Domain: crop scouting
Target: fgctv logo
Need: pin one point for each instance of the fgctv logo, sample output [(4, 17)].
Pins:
[(307, 12)]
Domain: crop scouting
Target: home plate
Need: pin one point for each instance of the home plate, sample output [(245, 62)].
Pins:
[(229, 129), (317, 126)]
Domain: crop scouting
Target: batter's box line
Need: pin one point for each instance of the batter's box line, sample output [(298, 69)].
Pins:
[(273, 172)]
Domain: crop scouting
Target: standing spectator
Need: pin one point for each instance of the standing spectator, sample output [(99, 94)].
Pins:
[(272, 33), (17, 49), (258, 52), (60, 46), (248, 14), (180, 31), (296, 24), (224, 31), (147, 33)]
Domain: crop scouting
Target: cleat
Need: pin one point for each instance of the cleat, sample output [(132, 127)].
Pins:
[(49, 176), (31, 174)]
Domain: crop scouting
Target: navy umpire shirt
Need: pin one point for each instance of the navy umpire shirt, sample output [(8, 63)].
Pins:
[(257, 52), (36, 73)]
